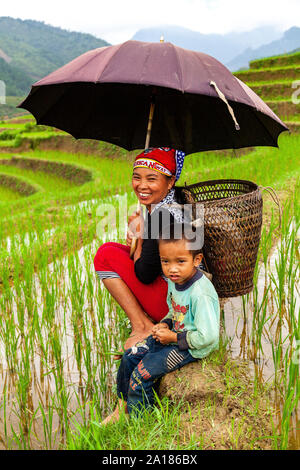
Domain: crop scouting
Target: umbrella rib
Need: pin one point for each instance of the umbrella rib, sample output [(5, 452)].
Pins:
[(96, 58), (108, 62), (180, 68), (262, 123)]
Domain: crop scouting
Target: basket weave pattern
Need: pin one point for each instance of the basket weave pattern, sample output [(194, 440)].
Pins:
[(232, 230)]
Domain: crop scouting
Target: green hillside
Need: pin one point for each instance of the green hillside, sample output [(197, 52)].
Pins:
[(16, 80), (275, 80), (36, 49)]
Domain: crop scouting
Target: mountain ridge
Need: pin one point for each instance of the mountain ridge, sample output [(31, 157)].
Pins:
[(224, 47), (289, 43), (37, 49), (235, 49)]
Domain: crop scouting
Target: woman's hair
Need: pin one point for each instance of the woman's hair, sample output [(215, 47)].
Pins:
[(181, 231), (169, 178)]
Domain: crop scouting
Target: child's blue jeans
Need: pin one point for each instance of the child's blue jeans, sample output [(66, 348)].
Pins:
[(141, 366)]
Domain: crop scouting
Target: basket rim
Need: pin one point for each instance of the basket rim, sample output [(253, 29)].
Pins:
[(255, 192), (230, 180)]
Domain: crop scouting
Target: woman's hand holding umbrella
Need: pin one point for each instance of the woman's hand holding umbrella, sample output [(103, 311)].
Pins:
[(135, 229)]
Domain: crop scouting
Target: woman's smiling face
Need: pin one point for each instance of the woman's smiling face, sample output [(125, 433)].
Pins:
[(150, 186)]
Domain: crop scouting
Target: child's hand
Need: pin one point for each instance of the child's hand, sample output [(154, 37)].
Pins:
[(166, 336), (158, 327)]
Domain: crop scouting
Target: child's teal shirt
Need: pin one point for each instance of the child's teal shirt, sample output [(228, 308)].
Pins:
[(194, 314)]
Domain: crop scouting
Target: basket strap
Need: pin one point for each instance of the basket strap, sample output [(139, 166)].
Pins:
[(222, 97), (275, 198)]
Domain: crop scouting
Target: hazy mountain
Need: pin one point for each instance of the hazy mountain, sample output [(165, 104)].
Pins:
[(223, 47), (289, 42), (36, 49)]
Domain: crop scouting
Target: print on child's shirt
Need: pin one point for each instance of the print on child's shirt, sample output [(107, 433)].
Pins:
[(179, 312)]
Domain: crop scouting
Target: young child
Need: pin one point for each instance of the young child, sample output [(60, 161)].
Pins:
[(190, 330)]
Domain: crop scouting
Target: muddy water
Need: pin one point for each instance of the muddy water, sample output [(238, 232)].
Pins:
[(11, 243)]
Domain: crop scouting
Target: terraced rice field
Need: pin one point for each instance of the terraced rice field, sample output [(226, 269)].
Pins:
[(275, 80), (59, 328)]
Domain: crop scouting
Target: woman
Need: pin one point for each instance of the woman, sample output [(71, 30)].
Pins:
[(137, 285)]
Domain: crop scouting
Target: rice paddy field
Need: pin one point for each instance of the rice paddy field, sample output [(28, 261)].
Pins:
[(59, 328)]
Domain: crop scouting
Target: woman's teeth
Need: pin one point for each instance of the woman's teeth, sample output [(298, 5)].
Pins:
[(144, 194)]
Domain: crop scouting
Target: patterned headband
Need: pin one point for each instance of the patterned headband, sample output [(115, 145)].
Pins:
[(164, 160)]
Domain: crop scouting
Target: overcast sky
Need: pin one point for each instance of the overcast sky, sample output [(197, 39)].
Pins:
[(117, 20)]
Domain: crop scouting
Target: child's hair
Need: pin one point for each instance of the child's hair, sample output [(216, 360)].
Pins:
[(178, 231)]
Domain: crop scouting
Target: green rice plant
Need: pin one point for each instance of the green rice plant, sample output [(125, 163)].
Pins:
[(10, 338), (23, 372), (266, 243), (259, 319), (50, 434), (158, 429), (21, 438), (90, 367), (291, 401), (286, 369), (236, 432), (5, 438), (7, 195)]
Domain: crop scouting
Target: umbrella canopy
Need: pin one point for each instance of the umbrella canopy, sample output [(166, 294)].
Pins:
[(105, 94)]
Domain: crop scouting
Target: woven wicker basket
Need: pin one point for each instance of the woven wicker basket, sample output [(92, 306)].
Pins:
[(232, 230)]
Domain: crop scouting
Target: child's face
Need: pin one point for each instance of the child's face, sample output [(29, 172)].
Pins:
[(177, 262)]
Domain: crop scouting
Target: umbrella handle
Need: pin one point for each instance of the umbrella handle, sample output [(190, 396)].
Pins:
[(149, 128)]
